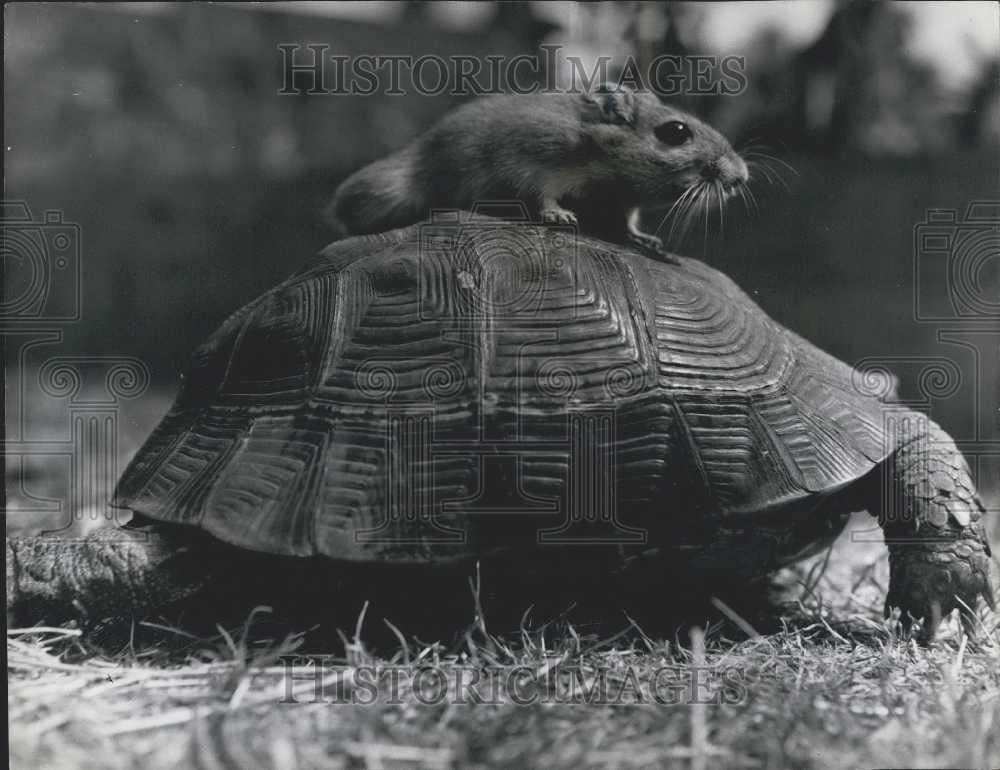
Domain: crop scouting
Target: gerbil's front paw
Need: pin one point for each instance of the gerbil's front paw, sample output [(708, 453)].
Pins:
[(651, 245), (558, 216)]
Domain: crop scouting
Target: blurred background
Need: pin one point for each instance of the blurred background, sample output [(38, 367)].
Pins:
[(158, 129)]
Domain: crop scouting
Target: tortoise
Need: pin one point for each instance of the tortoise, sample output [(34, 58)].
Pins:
[(471, 390)]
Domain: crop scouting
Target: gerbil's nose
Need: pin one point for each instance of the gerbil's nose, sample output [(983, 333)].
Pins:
[(710, 171), (729, 169)]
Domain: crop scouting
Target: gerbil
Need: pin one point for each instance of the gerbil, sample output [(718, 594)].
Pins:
[(589, 159)]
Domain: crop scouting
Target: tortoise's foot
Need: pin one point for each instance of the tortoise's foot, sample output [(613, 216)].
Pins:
[(112, 572), (939, 555), (930, 580)]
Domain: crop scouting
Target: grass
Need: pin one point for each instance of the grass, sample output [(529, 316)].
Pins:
[(836, 687)]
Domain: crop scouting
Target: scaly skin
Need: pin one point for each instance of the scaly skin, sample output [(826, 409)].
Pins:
[(930, 513), (112, 572)]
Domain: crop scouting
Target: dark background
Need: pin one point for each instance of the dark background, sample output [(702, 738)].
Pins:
[(160, 131)]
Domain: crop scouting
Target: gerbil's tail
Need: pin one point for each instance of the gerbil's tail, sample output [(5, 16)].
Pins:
[(381, 196)]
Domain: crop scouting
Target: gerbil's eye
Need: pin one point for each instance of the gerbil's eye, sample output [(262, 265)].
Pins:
[(673, 133)]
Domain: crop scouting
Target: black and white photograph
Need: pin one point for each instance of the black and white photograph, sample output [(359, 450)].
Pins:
[(523, 384)]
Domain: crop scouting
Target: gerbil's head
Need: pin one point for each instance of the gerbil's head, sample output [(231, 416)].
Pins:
[(659, 152)]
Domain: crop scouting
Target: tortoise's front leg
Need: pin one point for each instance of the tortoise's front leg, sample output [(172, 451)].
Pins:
[(926, 502), (113, 572)]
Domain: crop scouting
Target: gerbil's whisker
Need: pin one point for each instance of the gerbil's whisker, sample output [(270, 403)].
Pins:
[(761, 164), (753, 200), (679, 201), (678, 222), (760, 149), (743, 197), (698, 209), (754, 148), (679, 206), (763, 159), (721, 200), (757, 157), (678, 216), (746, 200), (667, 215), (688, 212), (671, 210), (704, 213), (756, 165), (776, 159)]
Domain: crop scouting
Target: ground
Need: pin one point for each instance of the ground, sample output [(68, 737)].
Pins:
[(837, 687)]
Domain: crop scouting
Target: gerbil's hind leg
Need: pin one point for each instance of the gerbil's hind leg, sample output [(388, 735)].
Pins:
[(553, 213), (646, 242)]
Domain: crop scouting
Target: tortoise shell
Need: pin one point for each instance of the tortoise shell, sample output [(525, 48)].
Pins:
[(459, 389)]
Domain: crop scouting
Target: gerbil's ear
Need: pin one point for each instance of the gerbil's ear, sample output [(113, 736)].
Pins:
[(616, 103)]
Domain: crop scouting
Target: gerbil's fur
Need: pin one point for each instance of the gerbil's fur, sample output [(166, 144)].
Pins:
[(591, 158)]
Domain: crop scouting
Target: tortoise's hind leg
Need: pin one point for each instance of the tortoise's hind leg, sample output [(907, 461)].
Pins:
[(931, 515), (112, 572)]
